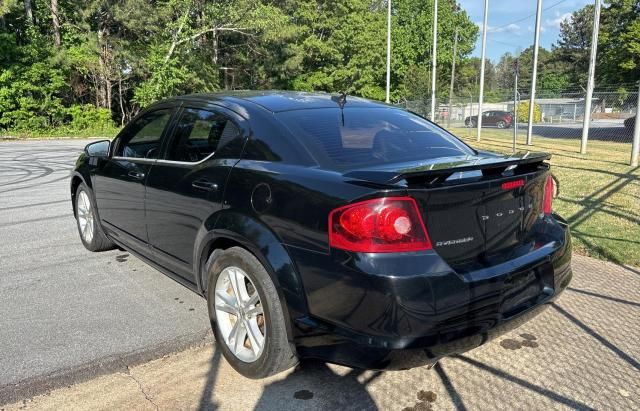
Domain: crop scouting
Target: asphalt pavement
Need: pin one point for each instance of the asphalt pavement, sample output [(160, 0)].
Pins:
[(65, 311)]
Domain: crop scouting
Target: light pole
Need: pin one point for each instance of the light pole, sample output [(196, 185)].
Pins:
[(534, 75), (635, 147), (388, 98), (482, 57), (434, 60), (586, 123), (516, 69), (453, 75)]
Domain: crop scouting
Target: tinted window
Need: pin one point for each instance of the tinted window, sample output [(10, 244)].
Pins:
[(142, 138), (199, 134), (365, 136)]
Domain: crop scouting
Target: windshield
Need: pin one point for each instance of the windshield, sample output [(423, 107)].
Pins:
[(369, 136)]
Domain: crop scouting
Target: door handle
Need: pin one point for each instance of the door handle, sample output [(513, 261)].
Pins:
[(138, 175), (204, 185)]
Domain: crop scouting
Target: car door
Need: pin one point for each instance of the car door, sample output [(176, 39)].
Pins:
[(119, 183), (187, 185), (489, 118)]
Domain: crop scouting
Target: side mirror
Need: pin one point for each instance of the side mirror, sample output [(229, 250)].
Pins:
[(98, 148)]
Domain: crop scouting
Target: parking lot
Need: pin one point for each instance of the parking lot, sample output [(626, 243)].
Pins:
[(67, 315)]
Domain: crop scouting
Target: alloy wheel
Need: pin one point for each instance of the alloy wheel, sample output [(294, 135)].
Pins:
[(85, 216), (239, 314)]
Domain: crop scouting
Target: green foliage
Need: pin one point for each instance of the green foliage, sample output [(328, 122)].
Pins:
[(165, 79), (522, 112), (618, 44), (119, 56), (553, 82), (574, 43), (31, 89), (87, 116)]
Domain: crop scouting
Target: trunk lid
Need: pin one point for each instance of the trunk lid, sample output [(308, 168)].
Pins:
[(472, 219)]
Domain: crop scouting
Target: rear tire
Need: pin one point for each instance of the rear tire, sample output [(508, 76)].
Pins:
[(89, 228), (250, 331), (501, 124)]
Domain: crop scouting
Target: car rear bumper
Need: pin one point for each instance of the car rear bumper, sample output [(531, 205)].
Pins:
[(378, 313)]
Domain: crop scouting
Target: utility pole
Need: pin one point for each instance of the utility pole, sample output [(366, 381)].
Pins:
[(515, 103), (433, 60), (592, 71), (453, 75), (388, 98), (482, 57), (534, 75), (635, 147)]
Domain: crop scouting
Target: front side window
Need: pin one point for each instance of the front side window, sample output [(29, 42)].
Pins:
[(369, 136), (142, 138), (199, 134)]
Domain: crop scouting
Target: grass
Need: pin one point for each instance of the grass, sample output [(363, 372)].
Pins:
[(599, 191), (61, 133)]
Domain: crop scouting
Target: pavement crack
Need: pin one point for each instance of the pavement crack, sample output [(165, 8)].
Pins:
[(142, 390)]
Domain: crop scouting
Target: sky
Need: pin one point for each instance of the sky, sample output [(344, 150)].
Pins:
[(511, 23)]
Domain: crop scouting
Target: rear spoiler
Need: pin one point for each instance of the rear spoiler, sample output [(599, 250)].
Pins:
[(441, 169)]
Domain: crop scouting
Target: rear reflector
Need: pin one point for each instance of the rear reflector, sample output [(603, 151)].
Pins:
[(383, 225), (549, 186), (510, 185)]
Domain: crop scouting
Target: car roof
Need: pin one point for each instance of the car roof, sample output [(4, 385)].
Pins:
[(278, 101)]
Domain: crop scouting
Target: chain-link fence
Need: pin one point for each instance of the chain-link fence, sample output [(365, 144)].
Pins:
[(558, 118)]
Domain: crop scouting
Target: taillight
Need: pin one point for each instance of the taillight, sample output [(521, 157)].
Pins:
[(549, 188), (383, 225)]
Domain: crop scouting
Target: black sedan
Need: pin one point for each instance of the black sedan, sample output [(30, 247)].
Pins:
[(327, 226)]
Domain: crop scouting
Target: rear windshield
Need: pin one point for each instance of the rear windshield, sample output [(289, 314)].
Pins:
[(369, 136)]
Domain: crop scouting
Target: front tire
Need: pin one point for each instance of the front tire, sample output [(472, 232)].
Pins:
[(246, 315), (91, 234)]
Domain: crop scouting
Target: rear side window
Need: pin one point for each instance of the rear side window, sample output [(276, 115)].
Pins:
[(199, 134), (142, 138), (369, 136)]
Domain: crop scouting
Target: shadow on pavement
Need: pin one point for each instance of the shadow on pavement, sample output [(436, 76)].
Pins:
[(525, 384), (314, 379), (206, 403), (614, 348), (605, 297), (451, 390)]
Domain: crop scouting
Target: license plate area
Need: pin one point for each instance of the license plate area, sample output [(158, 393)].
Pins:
[(525, 289)]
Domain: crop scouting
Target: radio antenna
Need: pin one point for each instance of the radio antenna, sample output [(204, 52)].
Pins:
[(342, 101)]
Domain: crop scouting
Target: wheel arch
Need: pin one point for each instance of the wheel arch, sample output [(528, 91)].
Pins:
[(76, 180), (235, 229)]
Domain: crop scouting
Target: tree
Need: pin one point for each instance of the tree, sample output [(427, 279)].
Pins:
[(55, 23), (574, 44), (469, 77), (619, 42), (412, 45), (28, 9)]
